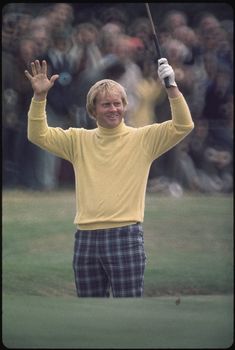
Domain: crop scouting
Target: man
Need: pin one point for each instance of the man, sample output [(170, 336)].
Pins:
[(111, 165)]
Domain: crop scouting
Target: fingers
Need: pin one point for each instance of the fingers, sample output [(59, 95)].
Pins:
[(165, 71), (37, 68), (164, 67), (29, 76), (162, 61), (33, 68), (44, 67), (54, 78)]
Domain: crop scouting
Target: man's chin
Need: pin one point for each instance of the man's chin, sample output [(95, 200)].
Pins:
[(111, 123)]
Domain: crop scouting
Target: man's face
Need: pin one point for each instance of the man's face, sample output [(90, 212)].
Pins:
[(109, 110)]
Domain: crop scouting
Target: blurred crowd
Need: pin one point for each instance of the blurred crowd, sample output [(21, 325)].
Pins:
[(118, 45)]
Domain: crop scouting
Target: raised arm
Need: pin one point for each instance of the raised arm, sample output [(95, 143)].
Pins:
[(40, 83), (158, 138), (54, 140), (180, 116)]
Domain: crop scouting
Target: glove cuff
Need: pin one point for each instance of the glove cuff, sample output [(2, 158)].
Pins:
[(173, 83)]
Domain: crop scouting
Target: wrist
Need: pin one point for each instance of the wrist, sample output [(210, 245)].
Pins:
[(39, 97), (173, 92)]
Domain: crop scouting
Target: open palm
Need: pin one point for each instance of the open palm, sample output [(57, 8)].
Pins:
[(38, 79)]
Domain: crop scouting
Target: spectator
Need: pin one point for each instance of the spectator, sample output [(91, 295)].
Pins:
[(116, 16), (107, 38), (195, 64), (150, 94), (174, 19), (10, 32), (203, 165), (108, 66), (216, 111), (85, 47), (141, 29), (131, 77), (84, 56), (19, 155), (60, 16), (40, 32), (214, 40), (189, 38), (116, 63), (108, 42), (177, 53)]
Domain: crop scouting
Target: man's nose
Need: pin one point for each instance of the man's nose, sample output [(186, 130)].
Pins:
[(113, 107)]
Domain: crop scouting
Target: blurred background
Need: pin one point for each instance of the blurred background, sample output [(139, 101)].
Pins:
[(86, 42)]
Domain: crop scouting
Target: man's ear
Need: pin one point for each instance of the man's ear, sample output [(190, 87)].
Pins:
[(125, 108), (93, 116)]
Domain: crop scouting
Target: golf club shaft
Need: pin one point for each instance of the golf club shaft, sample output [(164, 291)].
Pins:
[(156, 42)]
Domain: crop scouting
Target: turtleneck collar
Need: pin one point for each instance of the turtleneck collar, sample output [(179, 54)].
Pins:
[(101, 131)]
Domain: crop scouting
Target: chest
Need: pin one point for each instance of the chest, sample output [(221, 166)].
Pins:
[(112, 153)]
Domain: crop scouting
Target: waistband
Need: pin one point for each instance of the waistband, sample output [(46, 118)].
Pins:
[(137, 226), (104, 225)]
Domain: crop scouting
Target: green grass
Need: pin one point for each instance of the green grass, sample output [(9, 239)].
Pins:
[(189, 245), (46, 322), (189, 242)]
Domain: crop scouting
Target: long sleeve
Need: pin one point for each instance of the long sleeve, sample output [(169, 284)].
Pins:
[(158, 138), (181, 116), (37, 123), (54, 140)]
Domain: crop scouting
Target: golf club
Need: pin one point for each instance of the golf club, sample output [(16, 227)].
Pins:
[(155, 39)]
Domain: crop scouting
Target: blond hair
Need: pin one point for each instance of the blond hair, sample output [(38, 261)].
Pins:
[(105, 86)]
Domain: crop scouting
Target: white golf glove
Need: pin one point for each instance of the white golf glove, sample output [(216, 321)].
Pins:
[(164, 71)]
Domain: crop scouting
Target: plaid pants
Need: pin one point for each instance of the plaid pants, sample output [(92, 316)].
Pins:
[(109, 258)]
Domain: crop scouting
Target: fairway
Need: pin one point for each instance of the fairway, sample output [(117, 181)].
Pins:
[(46, 322), (189, 247)]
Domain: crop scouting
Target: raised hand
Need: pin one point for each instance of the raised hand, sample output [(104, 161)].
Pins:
[(41, 84), (166, 71)]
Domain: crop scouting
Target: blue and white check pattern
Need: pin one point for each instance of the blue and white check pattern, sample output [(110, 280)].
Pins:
[(110, 258)]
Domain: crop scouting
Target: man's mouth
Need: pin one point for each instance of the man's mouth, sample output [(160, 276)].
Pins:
[(113, 117)]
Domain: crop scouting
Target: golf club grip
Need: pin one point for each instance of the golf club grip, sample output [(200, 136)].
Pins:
[(167, 82), (159, 54)]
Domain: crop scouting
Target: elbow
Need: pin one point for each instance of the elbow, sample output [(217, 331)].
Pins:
[(184, 129), (191, 126), (30, 136)]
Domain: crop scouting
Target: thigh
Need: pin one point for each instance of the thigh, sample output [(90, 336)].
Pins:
[(126, 262), (90, 277)]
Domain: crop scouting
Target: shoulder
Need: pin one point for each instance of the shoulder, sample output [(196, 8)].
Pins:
[(146, 131), (147, 128)]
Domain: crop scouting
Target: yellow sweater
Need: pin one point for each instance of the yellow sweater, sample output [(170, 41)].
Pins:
[(111, 165)]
